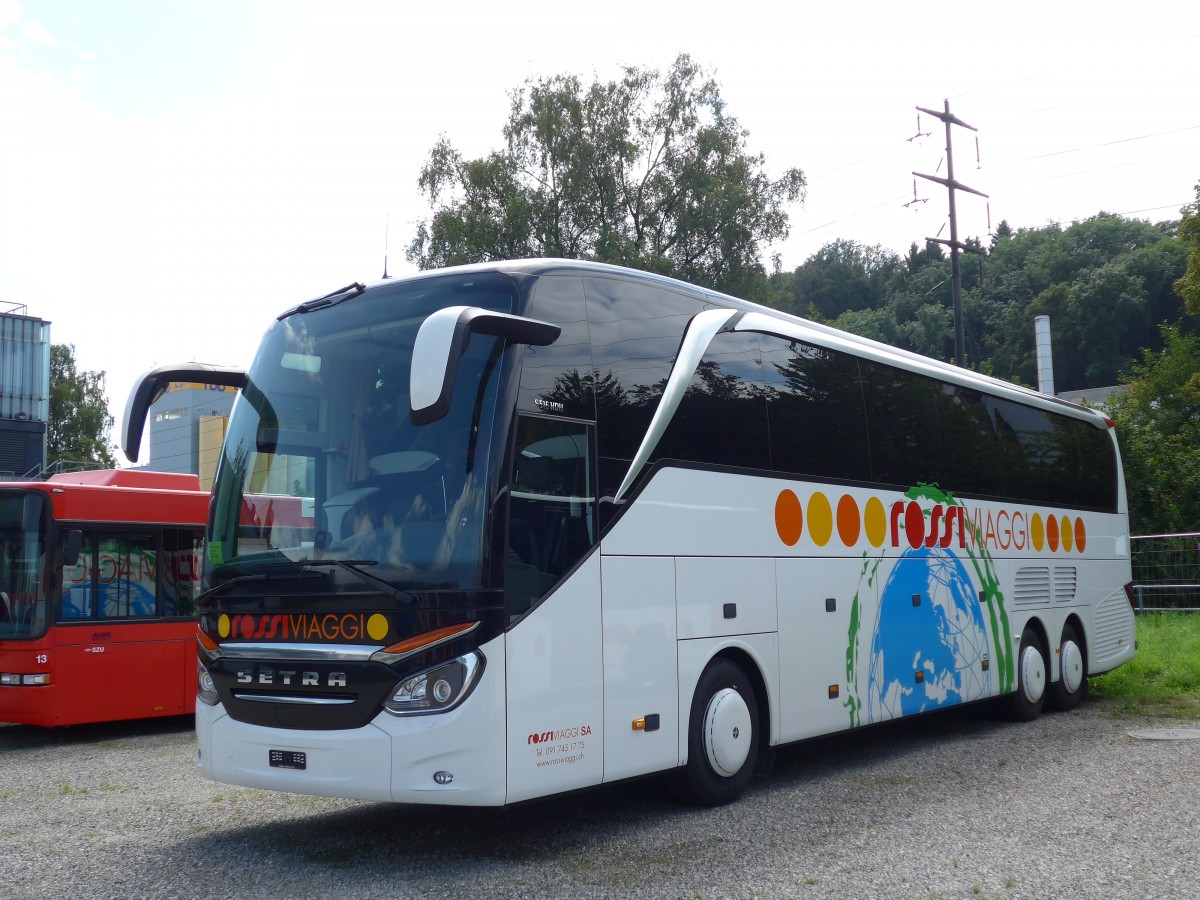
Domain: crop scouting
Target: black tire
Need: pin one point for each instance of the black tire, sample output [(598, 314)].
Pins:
[(1025, 703), (721, 754), (1072, 684)]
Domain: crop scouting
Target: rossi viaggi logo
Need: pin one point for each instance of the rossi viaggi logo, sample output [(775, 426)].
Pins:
[(907, 523), (304, 627)]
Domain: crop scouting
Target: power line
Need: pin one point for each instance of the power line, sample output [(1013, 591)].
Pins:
[(889, 202), (1140, 137)]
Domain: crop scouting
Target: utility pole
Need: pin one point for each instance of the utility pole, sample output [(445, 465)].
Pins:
[(960, 339)]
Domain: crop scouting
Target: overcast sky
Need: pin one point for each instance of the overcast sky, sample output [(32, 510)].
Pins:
[(175, 174)]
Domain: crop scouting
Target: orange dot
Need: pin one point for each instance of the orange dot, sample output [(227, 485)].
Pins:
[(1067, 534), (1080, 535), (875, 520), (820, 519), (1052, 533), (789, 518), (1037, 532), (848, 522)]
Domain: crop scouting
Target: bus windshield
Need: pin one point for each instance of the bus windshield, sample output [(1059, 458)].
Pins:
[(22, 564), (322, 465)]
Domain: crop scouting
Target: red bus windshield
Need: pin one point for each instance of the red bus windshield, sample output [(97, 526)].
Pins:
[(23, 606)]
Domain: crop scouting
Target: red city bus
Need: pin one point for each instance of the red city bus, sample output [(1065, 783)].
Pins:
[(99, 572)]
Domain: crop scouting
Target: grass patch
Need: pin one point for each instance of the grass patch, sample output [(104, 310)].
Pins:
[(1163, 679)]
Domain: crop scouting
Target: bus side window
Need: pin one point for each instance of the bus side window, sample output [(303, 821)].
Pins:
[(77, 582), (558, 378), (818, 424), (180, 564), (552, 507), (127, 580), (635, 332)]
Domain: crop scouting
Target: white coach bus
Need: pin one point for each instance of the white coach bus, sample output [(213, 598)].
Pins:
[(491, 533)]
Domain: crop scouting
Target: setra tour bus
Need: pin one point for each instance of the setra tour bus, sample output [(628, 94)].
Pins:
[(99, 572), (574, 524)]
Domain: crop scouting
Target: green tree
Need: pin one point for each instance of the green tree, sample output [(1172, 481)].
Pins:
[(1158, 425), (79, 421), (1188, 287), (843, 276), (650, 171)]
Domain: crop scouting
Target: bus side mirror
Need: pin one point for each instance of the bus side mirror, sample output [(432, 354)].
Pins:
[(153, 384), (71, 545), (441, 341)]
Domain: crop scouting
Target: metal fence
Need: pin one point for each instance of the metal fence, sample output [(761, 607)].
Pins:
[(1166, 572)]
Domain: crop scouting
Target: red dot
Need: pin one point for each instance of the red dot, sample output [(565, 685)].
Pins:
[(789, 517)]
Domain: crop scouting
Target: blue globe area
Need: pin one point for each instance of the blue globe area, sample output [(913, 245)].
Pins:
[(930, 638)]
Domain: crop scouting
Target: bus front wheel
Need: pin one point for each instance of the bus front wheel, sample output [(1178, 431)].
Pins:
[(1072, 684), (1025, 704), (723, 738)]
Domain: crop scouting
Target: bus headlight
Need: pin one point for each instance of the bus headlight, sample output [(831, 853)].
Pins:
[(15, 680), (438, 689), (206, 690)]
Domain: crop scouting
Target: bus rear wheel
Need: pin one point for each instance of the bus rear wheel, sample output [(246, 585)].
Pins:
[(1025, 704), (1072, 684), (723, 738)]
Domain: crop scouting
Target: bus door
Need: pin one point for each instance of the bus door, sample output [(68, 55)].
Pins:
[(553, 654), (115, 658)]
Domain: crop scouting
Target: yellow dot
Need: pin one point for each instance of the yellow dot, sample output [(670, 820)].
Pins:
[(1067, 533), (1037, 532), (820, 519), (223, 626), (875, 520), (377, 627)]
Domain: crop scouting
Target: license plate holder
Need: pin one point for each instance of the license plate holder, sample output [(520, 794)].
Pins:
[(288, 759)]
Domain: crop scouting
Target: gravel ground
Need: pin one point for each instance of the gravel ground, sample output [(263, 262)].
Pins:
[(953, 805)]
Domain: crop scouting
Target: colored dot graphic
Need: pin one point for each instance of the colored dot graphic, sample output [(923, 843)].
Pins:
[(223, 626), (377, 627), (875, 520), (848, 520), (852, 521), (820, 519), (789, 518)]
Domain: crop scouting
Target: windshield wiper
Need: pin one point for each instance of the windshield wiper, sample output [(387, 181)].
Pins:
[(351, 566), (226, 586), (333, 297)]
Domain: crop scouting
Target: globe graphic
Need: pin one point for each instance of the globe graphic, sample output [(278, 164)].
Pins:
[(942, 636)]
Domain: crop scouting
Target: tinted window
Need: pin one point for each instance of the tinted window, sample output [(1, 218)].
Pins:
[(1053, 459), (558, 379), (902, 425), (973, 458), (722, 419), (815, 410), (636, 330), (552, 506)]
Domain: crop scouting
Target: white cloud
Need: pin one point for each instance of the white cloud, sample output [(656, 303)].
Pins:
[(37, 32)]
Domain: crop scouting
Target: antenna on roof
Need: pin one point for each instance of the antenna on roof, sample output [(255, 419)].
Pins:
[(386, 222)]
